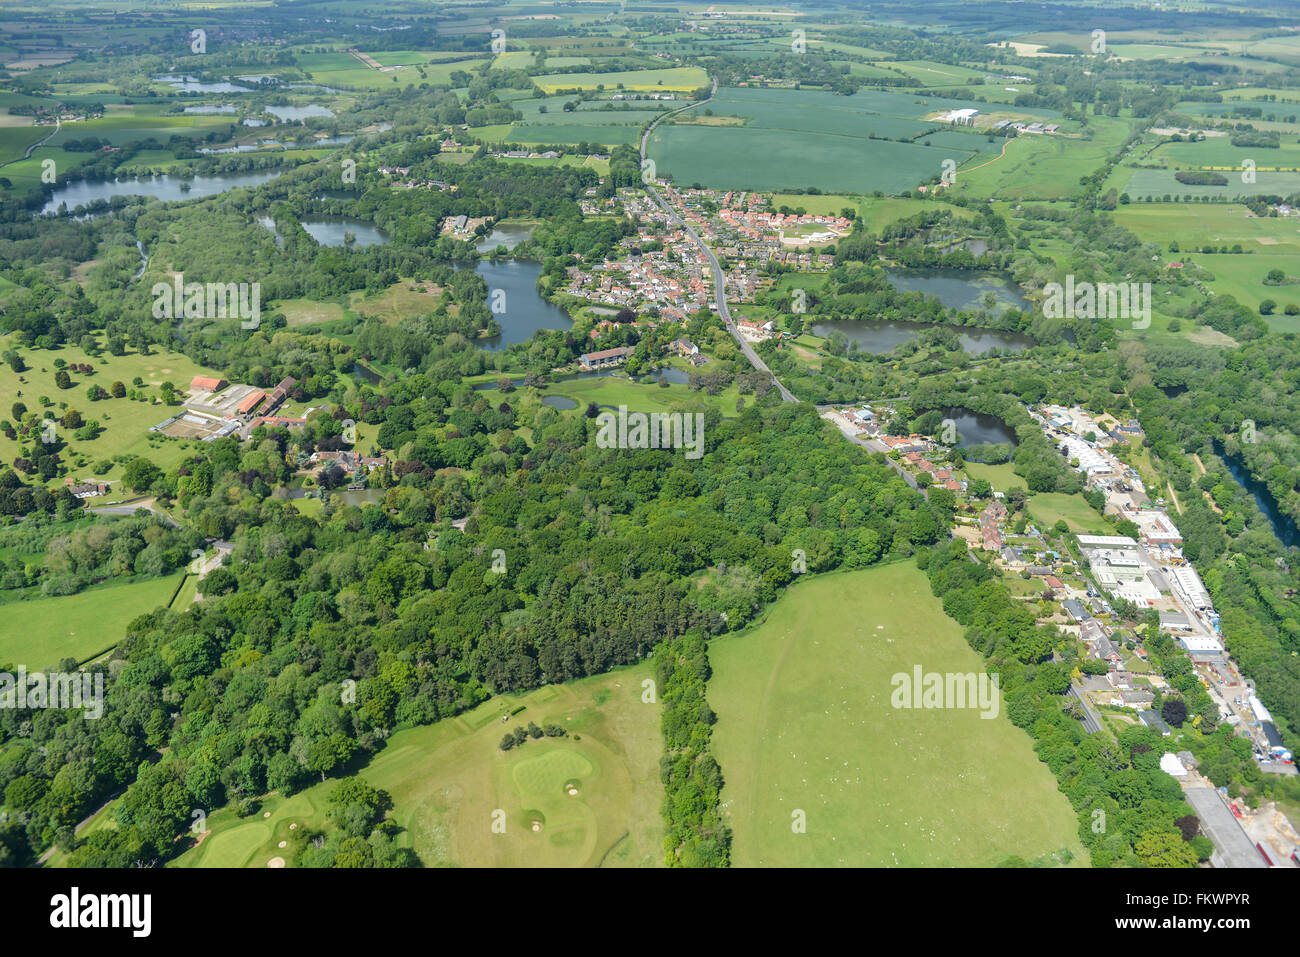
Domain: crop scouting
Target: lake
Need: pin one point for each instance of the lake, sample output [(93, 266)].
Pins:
[(525, 312), (508, 235), (560, 402), (286, 113), (959, 288), (210, 109), (879, 336), (189, 84), (166, 188), (332, 231)]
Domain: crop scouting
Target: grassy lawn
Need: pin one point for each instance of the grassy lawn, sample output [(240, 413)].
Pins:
[(1047, 508), (805, 723), (1001, 477), (41, 632), (447, 779), (125, 422)]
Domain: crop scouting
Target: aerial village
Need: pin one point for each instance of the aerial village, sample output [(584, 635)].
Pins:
[(1078, 579)]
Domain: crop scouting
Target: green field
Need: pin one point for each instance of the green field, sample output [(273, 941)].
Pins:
[(1194, 225), (1044, 167), (41, 632), (793, 139), (448, 778), (669, 80), (1047, 508), (126, 422), (805, 723)]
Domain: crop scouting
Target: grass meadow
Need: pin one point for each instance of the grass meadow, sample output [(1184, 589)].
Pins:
[(805, 724)]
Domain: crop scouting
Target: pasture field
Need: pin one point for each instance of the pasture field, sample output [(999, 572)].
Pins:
[(805, 723), (1194, 225), (40, 632), (1001, 477), (936, 74), (1044, 167), (447, 779), (125, 422), (1242, 278), (602, 133), (668, 80), (1218, 153)]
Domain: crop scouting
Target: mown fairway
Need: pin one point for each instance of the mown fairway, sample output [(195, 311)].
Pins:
[(805, 723), (448, 778)]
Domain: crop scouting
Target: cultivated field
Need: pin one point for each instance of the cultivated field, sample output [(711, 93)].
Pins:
[(805, 723)]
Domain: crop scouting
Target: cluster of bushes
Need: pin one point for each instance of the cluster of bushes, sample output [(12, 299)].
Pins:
[(518, 736)]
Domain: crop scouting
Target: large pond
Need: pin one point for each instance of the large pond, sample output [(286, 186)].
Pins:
[(879, 336), (976, 428), (509, 235), (190, 84), (524, 311), (959, 288), (333, 230), (284, 113), (166, 188)]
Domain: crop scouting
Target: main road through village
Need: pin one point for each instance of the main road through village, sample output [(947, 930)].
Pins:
[(719, 280)]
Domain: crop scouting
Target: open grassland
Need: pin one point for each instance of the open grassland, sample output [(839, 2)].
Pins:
[(41, 632), (805, 724), (1194, 225), (1044, 166), (1242, 278), (447, 780)]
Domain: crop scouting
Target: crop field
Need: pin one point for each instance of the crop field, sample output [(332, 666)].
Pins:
[(674, 79), (1218, 153), (40, 632), (796, 139), (1153, 184), (805, 723)]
